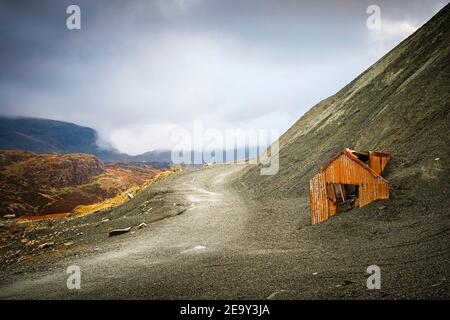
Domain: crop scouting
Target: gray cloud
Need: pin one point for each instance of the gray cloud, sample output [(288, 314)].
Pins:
[(142, 68)]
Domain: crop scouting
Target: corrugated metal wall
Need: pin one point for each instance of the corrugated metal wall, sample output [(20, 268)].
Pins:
[(369, 192), (377, 161), (318, 198)]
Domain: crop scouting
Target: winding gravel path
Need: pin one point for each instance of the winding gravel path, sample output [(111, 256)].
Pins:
[(229, 245)]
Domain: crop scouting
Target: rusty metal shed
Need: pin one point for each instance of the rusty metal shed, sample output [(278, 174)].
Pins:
[(351, 178)]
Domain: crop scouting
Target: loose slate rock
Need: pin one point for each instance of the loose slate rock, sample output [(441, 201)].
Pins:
[(142, 225), (46, 245), (116, 232)]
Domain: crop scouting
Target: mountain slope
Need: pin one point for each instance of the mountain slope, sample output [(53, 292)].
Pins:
[(46, 136), (32, 184), (400, 105)]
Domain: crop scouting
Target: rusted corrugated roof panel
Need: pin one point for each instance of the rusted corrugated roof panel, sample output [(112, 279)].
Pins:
[(349, 154)]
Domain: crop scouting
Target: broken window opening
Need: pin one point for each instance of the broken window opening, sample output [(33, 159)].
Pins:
[(362, 156)]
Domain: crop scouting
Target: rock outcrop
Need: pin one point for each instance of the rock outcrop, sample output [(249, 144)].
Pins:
[(35, 184)]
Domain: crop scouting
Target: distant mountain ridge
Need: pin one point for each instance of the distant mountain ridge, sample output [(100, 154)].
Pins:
[(46, 136)]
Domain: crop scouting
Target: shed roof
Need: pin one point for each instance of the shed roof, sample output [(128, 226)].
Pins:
[(349, 153), (367, 153)]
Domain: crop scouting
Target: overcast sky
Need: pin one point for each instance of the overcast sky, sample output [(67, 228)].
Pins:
[(137, 70)]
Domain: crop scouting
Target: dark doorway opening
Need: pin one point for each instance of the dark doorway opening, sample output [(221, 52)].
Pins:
[(346, 196)]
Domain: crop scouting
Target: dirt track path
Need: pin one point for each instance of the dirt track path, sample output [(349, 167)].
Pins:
[(214, 219), (226, 245)]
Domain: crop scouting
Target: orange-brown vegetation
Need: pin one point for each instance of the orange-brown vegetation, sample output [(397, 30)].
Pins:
[(56, 185), (82, 210)]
